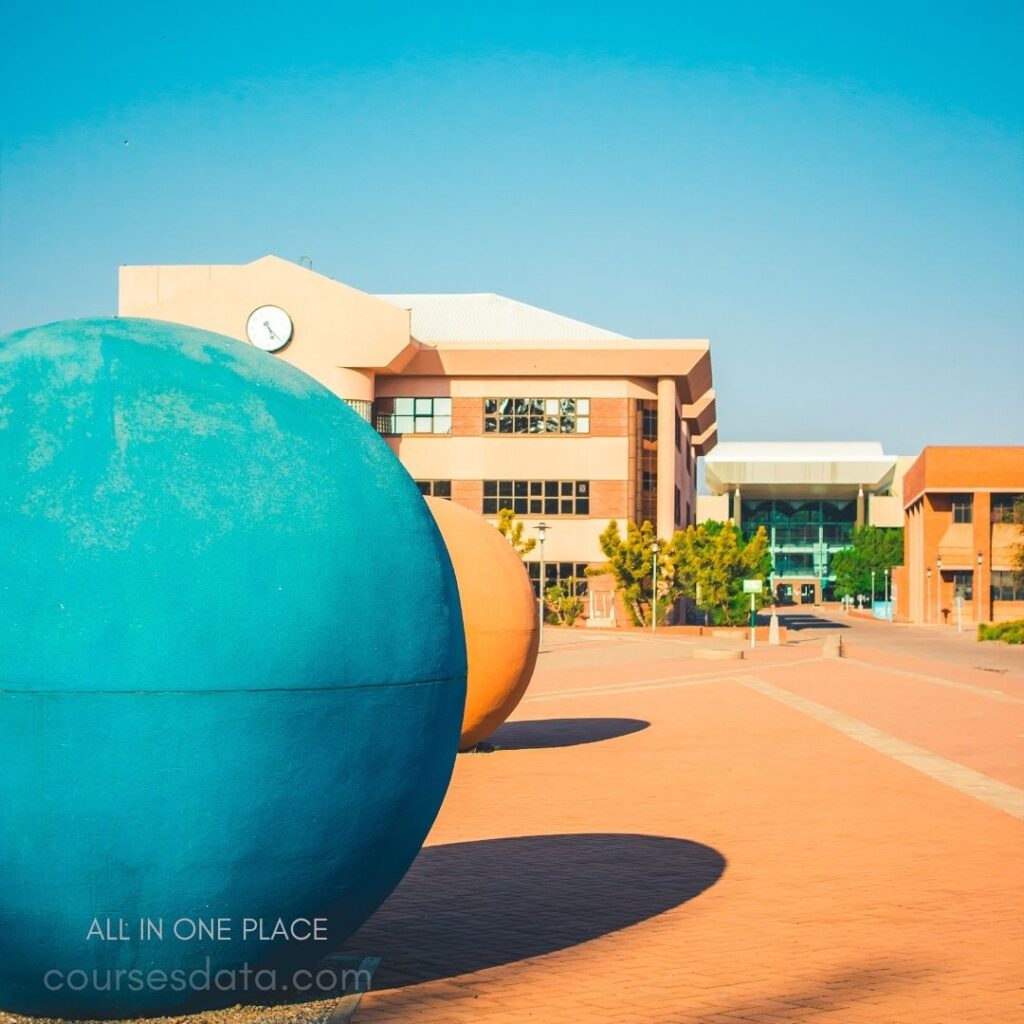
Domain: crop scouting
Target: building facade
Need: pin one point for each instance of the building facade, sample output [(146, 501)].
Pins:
[(961, 530), (809, 497), (489, 402)]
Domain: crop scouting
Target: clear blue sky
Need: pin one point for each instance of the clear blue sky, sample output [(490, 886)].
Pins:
[(833, 194)]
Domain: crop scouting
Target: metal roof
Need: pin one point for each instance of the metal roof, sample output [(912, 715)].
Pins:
[(485, 317)]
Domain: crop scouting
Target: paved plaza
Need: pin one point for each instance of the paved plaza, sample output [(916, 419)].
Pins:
[(788, 837)]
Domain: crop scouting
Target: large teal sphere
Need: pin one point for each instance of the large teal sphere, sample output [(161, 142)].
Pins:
[(232, 666)]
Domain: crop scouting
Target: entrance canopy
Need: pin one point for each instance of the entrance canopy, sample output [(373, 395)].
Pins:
[(804, 469)]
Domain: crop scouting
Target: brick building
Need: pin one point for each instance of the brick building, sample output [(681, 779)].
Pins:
[(960, 536)]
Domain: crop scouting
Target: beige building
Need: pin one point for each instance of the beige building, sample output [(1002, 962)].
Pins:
[(809, 496), (487, 401)]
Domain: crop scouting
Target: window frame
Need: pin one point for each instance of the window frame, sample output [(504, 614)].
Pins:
[(553, 576), (429, 488), (957, 579), (1002, 507), (961, 507), (1010, 581), (536, 417), (390, 422), (533, 499)]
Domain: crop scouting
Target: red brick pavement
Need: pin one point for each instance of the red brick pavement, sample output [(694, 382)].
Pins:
[(659, 842)]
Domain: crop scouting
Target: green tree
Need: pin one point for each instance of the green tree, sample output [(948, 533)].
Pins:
[(631, 563), (709, 563), (563, 605), (874, 547), (512, 531)]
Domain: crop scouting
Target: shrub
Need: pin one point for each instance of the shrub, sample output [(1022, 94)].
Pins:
[(1008, 632)]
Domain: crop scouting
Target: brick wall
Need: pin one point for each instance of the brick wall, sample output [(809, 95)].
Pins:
[(467, 417), (609, 499), (469, 493), (609, 417)]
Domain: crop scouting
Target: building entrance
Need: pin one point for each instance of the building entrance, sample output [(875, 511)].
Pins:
[(807, 593)]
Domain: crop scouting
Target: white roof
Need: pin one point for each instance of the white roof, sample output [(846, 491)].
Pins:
[(792, 468), (797, 451), (485, 317)]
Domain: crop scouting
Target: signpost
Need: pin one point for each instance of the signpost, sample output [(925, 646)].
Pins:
[(753, 587)]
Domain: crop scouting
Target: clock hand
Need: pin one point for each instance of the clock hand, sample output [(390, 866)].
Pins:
[(270, 330)]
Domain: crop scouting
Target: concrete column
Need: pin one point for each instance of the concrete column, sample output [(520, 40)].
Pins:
[(737, 508), (860, 506), (666, 457)]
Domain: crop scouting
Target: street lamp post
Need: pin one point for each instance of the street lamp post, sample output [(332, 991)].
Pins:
[(977, 587), (928, 598), (938, 590), (872, 591), (654, 590), (888, 610), (542, 529)]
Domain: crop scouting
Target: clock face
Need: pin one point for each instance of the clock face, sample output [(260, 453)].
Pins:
[(269, 328)]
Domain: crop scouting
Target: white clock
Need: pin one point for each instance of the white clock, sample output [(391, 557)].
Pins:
[(269, 328)]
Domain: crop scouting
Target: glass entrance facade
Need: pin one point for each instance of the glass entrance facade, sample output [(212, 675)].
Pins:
[(804, 534)]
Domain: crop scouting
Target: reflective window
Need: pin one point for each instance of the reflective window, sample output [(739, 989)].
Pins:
[(1008, 508), (1007, 586), (536, 415), (647, 460)]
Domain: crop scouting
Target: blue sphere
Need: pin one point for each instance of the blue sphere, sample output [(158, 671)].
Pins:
[(232, 667)]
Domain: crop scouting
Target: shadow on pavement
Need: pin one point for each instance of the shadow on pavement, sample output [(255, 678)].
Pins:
[(562, 732), (465, 907), (798, 621)]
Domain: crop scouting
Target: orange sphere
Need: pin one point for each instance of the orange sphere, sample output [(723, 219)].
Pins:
[(499, 612)]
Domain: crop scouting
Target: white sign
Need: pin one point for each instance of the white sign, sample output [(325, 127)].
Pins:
[(753, 586)]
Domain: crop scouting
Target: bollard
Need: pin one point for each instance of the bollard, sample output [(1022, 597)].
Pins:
[(833, 647)]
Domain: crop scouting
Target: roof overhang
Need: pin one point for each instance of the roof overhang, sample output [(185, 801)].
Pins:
[(688, 362), (787, 473), (702, 414), (706, 441)]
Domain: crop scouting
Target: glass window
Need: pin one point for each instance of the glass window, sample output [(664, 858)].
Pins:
[(1007, 586), (537, 497), (963, 584), (536, 415), (794, 563), (963, 508), (435, 488), (414, 415), (572, 575), (1008, 508)]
